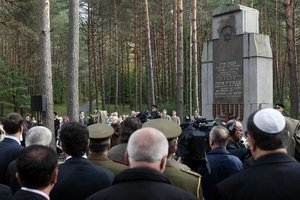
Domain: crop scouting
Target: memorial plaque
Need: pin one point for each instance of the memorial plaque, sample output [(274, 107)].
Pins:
[(228, 82)]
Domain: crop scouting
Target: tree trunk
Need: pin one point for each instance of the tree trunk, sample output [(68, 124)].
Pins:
[(73, 61), (151, 97), (190, 78), (180, 69), (175, 46), (291, 47), (46, 68), (116, 23), (195, 53)]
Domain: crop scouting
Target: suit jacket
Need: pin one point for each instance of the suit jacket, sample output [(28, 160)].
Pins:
[(141, 183), (5, 192), (78, 179), (26, 195), (274, 176), (102, 161), (221, 165), (11, 176), (9, 151), (184, 179)]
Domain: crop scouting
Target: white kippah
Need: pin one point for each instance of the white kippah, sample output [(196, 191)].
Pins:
[(269, 120)]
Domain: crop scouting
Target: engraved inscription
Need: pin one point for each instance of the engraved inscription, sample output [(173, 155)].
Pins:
[(228, 73), (228, 80)]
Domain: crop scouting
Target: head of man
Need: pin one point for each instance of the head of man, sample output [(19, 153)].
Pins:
[(235, 129), (266, 132), (218, 137), (170, 129), (154, 108), (38, 135), (74, 139), (13, 124), (279, 107), (100, 138), (37, 167), (128, 126), (147, 147)]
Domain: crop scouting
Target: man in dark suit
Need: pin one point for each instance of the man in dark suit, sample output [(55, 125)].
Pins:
[(78, 178), (10, 146), (221, 164), (36, 173), (5, 192), (36, 135), (274, 175), (147, 153)]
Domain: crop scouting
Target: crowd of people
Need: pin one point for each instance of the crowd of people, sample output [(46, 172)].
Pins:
[(137, 157)]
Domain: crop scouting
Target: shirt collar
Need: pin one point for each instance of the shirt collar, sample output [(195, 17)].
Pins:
[(36, 191), (84, 156), (13, 138)]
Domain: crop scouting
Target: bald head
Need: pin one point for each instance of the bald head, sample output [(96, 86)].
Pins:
[(147, 145), (218, 137)]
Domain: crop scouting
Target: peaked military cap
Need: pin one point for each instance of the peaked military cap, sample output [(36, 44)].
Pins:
[(100, 131), (167, 127)]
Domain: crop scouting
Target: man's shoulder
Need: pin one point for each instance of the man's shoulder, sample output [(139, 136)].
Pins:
[(82, 164), (24, 195)]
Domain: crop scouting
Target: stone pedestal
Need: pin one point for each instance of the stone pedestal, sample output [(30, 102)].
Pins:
[(237, 72)]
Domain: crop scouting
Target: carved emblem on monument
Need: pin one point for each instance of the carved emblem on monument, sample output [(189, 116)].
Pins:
[(227, 33)]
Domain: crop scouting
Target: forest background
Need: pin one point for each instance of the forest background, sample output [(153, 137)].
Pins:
[(134, 53)]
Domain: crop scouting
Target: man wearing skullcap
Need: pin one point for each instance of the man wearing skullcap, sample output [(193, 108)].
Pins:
[(274, 175), (176, 172), (100, 135)]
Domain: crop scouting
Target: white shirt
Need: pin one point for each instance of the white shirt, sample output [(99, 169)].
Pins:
[(36, 191), (13, 138)]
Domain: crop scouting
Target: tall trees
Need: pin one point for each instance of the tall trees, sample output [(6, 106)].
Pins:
[(73, 61), (290, 8), (195, 53), (46, 70), (151, 94), (180, 70), (123, 52)]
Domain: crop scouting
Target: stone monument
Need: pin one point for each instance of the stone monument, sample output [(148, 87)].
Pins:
[(237, 71)]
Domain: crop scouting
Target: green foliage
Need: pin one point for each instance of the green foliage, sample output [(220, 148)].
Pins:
[(13, 90)]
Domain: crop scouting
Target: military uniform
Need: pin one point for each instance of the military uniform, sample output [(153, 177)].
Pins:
[(183, 178), (103, 161), (177, 164), (293, 147), (99, 135)]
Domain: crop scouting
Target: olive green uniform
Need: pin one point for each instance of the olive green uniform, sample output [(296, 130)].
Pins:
[(293, 148), (185, 179), (101, 160)]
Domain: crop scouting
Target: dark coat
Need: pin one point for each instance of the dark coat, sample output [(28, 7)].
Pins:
[(238, 149), (26, 195), (9, 151), (11, 176), (5, 192), (221, 165), (145, 184), (78, 179), (274, 176)]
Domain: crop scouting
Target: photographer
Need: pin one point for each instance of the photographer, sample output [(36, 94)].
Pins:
[(235, 144), (193, 143)]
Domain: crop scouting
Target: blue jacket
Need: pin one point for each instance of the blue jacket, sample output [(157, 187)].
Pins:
[(78, 178), (221, 164), (9, 151)]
